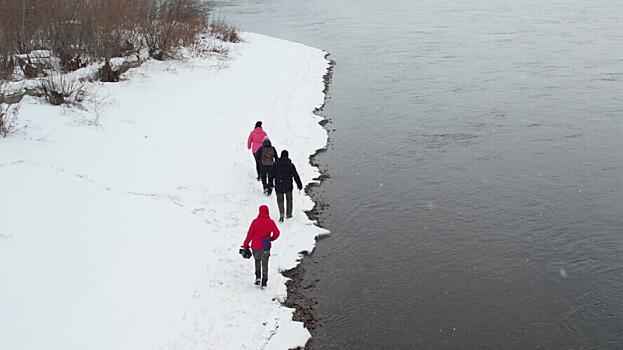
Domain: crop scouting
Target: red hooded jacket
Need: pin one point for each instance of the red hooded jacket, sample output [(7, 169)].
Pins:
[(263, 230)]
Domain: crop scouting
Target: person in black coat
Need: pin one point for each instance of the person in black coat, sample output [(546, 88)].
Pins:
[(280, 177), (266, 157)]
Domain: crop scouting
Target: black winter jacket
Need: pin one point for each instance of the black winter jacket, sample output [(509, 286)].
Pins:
[(281, 175)]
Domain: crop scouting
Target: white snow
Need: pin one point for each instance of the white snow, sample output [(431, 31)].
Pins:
[(125, 235)]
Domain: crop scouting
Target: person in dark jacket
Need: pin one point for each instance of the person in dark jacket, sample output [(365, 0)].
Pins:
[(266, 156), (280, 177), (261, 233)]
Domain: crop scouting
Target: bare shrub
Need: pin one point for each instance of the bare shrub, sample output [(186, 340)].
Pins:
[(29, 68), (67, 35), (7, 113), (111, 28), (108, 74), (224, 31), (80, 32), (207, 46), (6, 49), (7, 67), (169, 24), (63, 89), (95, 104)]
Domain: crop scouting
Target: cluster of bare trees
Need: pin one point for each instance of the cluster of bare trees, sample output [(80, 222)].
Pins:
[(79, 32)]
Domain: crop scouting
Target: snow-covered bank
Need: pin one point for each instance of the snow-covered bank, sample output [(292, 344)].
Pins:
[(125, 235)]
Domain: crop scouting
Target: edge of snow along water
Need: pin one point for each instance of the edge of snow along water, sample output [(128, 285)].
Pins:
[(125, 235)]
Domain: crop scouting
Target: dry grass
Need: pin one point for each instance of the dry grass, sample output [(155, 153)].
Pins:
[(224, 31), (63, 89)]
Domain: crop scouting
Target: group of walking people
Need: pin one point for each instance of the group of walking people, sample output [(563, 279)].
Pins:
[(275, 172)]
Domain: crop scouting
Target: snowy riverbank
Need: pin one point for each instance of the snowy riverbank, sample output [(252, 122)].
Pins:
[(125, 235)]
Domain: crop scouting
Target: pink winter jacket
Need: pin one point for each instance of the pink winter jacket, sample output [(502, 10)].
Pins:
[(256, 137)]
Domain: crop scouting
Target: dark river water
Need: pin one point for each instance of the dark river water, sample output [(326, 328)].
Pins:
[(476, 170)]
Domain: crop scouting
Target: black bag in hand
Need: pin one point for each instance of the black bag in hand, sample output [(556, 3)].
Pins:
[(245, 252)]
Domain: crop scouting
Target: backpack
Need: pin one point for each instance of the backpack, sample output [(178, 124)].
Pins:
[(268, 154)]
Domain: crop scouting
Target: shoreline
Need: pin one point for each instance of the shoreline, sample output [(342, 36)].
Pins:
[(145, 224), (296, 298)]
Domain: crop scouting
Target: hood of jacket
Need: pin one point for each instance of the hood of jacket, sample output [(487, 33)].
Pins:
[(263, 212), (259, 131)]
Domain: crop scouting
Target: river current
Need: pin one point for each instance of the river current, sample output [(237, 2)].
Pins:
[(475, 197)]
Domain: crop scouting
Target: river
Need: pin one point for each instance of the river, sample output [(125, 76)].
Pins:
[(475, 196)]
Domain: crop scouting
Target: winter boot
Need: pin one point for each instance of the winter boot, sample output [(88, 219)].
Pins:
[(264, 282), (257, 281), (289, 216), (281, 218)]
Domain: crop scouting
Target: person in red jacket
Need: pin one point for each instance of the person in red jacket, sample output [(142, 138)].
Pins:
[(262, 232)]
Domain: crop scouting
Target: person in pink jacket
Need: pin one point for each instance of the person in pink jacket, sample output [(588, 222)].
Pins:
[(254, 142)]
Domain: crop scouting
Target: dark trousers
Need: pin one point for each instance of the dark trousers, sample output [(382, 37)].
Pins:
[(261, 264), (264, 175), (257, 165), (288, 196)]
